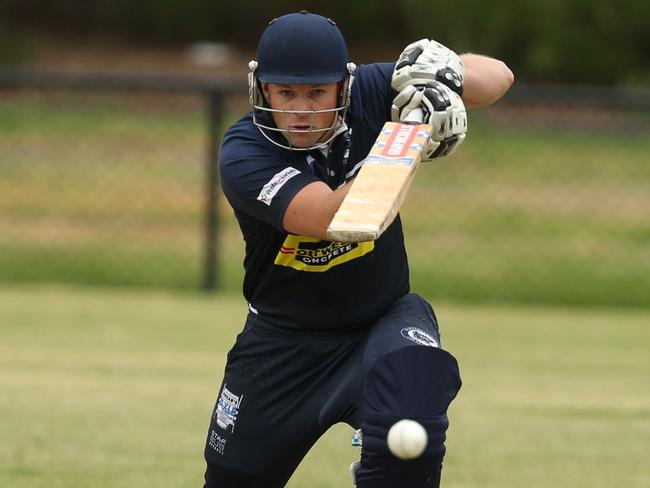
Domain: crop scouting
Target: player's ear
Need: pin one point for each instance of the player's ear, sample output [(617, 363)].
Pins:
[(340, 87), (265, 90)]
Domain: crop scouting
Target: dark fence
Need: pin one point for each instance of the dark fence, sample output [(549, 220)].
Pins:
[(112, 180), (36, 105)]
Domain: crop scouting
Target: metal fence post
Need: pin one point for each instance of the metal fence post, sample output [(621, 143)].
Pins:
[(214, 113)]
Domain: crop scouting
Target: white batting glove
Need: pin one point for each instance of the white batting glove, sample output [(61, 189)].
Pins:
[(429, 76), (445, 111), (427, 60), (439, 107), (409, 99)]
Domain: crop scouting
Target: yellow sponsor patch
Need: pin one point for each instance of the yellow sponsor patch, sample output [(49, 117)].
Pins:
[(312, 254)]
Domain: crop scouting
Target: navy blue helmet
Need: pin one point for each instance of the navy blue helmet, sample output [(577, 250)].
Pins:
[(300, 48)]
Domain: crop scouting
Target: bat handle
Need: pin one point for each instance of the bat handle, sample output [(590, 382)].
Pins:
[(414, 116)]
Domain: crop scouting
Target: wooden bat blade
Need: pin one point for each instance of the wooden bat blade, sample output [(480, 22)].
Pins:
[(379, 188)]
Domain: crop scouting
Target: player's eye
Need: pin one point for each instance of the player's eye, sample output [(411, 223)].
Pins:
[(317, 92), (286, 93)]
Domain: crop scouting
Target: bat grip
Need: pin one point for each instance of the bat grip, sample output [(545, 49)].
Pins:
[(415, 116)]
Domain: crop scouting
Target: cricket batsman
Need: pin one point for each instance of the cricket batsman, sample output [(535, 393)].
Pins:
[(333, 333)]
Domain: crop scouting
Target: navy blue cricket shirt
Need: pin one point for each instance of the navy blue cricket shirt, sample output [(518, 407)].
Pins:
[(301, 282)]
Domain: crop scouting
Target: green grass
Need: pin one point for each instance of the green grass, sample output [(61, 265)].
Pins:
[(115, 389), (109, 190)]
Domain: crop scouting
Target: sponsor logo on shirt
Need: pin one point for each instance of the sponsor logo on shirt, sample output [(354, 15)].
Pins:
[(312, 254), (274, 184)]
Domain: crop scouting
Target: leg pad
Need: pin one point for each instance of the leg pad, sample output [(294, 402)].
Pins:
[(414, 382)]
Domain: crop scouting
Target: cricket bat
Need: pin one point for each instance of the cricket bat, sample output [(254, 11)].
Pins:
[(379, 188)]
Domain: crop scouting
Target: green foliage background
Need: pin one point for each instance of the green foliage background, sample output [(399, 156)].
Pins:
[(577, 41)]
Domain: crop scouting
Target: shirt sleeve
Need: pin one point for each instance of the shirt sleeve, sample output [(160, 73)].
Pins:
[(258, 181), (372, 95)]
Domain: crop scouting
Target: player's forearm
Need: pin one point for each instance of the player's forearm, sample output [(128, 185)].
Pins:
[(486, 80), (313, 208)]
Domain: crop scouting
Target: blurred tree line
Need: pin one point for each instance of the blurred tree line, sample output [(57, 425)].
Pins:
[(578, 41)]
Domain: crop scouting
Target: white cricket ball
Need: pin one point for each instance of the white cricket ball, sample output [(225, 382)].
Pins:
[(407, 439)]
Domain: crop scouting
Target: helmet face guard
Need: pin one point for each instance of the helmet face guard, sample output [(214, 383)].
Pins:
[(263, 114), (300, 48)]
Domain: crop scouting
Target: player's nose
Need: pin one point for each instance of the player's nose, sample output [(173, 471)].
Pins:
[(302, 104)]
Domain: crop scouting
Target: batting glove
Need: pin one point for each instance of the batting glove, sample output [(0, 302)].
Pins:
[(429, 76), (427, 60)]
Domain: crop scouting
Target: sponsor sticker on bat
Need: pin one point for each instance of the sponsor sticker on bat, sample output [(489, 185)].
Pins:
[(400, 141), (373, 159)]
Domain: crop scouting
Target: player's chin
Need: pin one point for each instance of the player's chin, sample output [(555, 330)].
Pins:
[(302, 141)]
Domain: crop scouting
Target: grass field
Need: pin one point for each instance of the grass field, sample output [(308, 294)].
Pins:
[(109, 189), (115, 389)]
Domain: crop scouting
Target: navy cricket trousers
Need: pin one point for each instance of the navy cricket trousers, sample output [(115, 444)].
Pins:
[(283, 389)]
